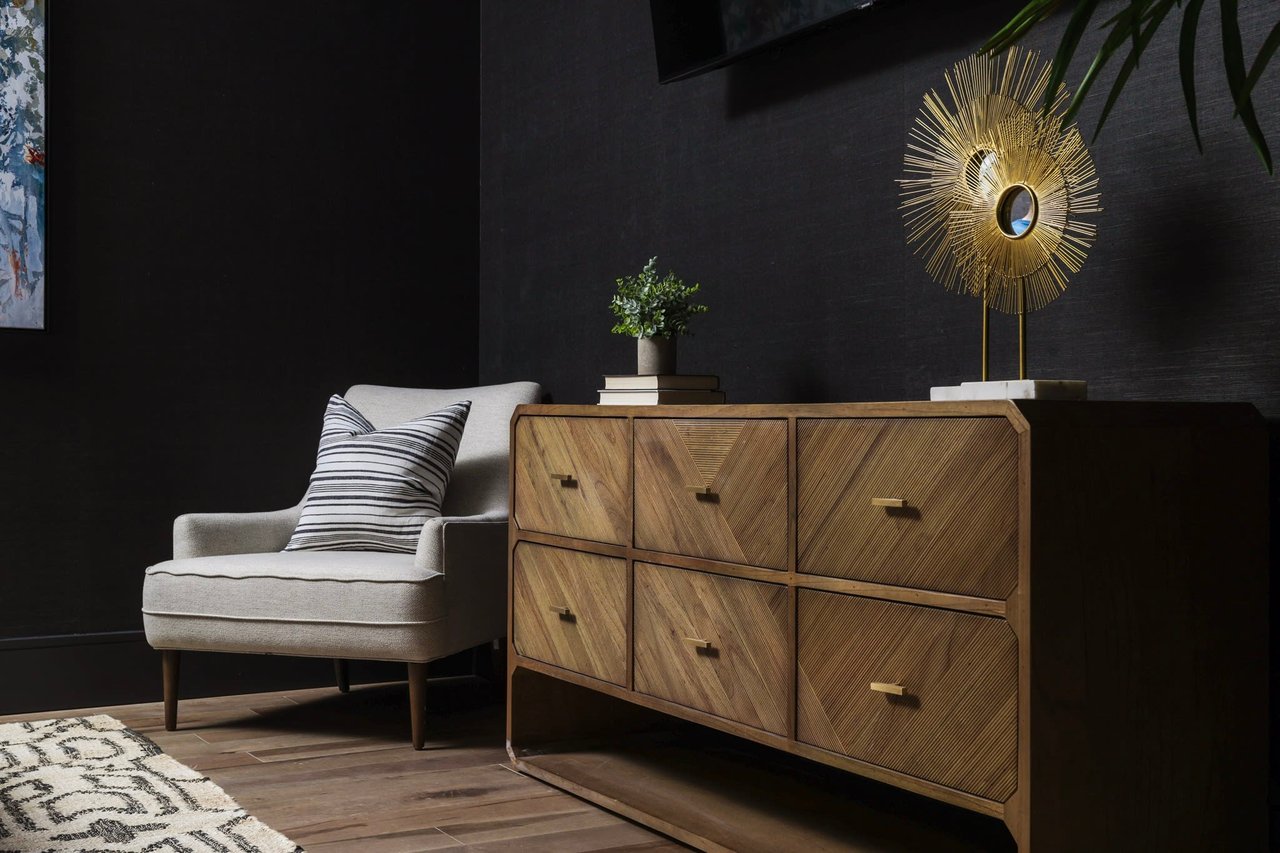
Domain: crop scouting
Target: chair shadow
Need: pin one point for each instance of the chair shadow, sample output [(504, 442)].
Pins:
[(465, 709)]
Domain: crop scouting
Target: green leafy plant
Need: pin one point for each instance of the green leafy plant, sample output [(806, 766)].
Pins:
[(1134, 25), (650, 307)]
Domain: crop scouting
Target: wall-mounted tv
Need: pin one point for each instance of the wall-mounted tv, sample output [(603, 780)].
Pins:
[(694, 36)]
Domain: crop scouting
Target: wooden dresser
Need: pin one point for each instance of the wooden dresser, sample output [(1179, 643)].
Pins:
[(1044, 624)]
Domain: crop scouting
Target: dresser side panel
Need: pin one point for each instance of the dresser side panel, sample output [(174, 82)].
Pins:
[(1148, 636)]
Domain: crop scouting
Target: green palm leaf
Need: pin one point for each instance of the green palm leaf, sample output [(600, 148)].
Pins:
[(1187, 64), (1122, 23), (1137, 22), (1030, 15), (1259, 65), (1067, 47), (1233, 54), (1158, 13)]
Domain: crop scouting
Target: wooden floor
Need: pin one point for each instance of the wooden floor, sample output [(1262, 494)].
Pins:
[(336, 772)]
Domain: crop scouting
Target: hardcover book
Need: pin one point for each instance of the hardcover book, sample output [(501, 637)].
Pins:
[(659, 397), (661, 382)]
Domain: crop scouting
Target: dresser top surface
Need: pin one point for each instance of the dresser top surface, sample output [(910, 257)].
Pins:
[(1023, 413)]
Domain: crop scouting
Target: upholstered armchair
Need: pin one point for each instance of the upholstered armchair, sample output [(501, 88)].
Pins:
[(231, 588)]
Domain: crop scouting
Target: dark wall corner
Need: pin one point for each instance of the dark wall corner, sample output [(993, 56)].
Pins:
[(249, 210)]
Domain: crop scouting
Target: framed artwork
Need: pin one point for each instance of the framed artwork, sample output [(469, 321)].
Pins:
[(22, 162)]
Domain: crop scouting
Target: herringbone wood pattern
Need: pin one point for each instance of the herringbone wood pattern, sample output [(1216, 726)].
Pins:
[(744, 463), (1141, 591), (594, 453), (743, 674), (957, 533), (957, 722), (590, 635)]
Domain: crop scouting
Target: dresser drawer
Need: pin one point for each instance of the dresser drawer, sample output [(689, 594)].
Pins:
[(956, 479), (956, 720), (713, 643), (572, 477), (570, 610), (713, 488)]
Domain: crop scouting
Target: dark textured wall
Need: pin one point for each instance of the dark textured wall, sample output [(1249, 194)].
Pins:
[(772, 183), (250, 208)]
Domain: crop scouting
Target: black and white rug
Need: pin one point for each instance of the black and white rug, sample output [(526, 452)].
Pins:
[(91, 784)]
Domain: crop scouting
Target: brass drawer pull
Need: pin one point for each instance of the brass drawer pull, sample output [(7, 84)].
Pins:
[(697, 643), (892, 503), (561, 611), (891, 689), (699, 490), (565, 479)]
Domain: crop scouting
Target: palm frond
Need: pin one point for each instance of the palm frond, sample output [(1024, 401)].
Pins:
[(1233, 55), (1159, 11), (1267, 51), (1137, 22), (1187, 64)]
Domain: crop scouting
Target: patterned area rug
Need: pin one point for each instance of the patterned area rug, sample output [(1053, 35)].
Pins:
[(91, 784)]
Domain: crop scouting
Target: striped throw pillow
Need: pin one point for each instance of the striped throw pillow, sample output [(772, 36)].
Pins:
[(374, 488)]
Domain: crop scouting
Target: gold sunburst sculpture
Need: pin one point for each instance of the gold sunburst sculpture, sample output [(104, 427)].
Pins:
[(997, 189)]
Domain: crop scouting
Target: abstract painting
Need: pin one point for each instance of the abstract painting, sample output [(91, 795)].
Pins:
[(22, 163)]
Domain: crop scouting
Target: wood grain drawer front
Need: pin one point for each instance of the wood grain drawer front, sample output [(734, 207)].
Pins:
[(713, 488), (571, 610), (713, 643), (928, 503), (572, 477), (956, 719)]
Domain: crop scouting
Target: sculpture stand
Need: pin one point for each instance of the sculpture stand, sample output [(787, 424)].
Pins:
[(1021, 388), (1013, 389)]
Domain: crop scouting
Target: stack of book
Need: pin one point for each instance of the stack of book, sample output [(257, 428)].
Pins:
[(655, 389)]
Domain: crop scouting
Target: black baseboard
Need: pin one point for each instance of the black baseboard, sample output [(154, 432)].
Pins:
[(60, 672)]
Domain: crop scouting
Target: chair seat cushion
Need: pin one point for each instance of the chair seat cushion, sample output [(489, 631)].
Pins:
[(342, 604)]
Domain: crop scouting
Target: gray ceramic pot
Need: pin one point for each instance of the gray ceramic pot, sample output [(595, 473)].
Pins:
[(655, 355)]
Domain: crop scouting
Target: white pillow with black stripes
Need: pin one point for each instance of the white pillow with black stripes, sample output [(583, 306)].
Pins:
[(373, 489)]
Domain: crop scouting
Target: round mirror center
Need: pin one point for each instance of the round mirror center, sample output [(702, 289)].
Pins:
[(1017, 211)]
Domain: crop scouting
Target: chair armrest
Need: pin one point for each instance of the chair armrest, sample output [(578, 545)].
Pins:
[(212, 534), (454, 540), (471, 553)]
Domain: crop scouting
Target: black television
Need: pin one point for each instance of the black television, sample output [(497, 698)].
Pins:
[(694, 36)]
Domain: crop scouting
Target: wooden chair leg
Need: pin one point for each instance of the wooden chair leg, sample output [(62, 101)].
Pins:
[(171, 662), (418, 703), (341, 674), (498, 653)]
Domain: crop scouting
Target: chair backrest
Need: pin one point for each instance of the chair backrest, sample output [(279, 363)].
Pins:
[(479, 481)]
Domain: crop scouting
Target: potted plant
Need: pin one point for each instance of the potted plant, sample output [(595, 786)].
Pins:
[(654, 311)]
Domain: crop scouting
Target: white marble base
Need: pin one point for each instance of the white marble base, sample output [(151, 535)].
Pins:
[(1013, 389)]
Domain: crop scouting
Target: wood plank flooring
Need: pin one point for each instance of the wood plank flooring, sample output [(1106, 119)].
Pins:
[(336, 772)]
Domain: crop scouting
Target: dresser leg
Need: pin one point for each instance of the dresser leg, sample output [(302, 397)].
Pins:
[(498, 661)]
